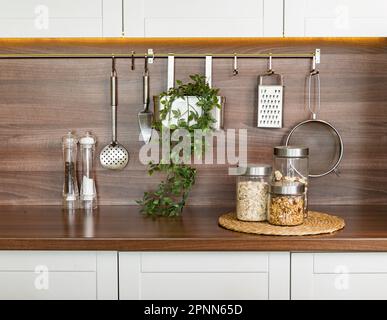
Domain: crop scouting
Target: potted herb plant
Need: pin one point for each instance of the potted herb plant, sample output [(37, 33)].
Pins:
[(199, 101)]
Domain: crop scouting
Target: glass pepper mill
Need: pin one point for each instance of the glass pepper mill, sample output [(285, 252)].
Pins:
[(88, 194), (70, 185)]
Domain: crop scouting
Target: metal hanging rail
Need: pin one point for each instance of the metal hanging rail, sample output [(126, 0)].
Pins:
[(154, 55)]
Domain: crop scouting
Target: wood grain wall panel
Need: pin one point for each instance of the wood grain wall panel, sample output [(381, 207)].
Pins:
[(40, 100)]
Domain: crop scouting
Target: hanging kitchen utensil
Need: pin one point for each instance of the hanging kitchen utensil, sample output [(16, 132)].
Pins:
[(114, 156), (270, 100), (145, 116), (235, 70), (191, 101), (133, 61), (325, 144)]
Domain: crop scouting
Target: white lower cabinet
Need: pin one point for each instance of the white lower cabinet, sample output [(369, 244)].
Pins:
[(204, 275), (339, 276), (191, 275), (58, 275)]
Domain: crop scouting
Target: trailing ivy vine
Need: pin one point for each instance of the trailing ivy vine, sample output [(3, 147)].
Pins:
[(171, 194)]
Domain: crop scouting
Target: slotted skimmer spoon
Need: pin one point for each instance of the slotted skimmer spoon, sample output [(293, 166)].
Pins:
[(114, 156)]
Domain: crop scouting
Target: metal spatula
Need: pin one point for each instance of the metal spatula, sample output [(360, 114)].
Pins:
[(145, 116), (114, 156)]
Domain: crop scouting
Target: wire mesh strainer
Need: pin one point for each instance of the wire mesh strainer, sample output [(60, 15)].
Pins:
[(325, 143)]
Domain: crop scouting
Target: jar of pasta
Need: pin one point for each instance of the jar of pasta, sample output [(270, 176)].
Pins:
[(252, 192), (286, 203)]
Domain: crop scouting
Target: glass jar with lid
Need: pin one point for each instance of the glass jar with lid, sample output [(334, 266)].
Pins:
[(286, 203), (291, 164), (252, 192)]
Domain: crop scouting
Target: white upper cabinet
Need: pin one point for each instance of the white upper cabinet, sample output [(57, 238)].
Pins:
[(187, 18), (58, 18), (335, 18), (203, 18)]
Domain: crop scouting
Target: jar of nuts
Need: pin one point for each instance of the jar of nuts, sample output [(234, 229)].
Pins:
[(291, 164), (286, 203), (252, 192)]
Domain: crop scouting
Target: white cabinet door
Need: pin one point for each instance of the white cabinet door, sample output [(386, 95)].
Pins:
[(203, 18), (58, 275), (204, 275), (339, 276), (335, 18), (58, 18)]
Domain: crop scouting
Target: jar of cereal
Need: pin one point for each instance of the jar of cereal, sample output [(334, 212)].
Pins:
[(252, 192), (291, 164), (286, 203)]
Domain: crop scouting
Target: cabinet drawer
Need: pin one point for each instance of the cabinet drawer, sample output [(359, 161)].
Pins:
[(204, 286), (57, 285), (350, 262), (52, 260), (58, 275), (339, 275), (204, 262), (204, 275), (362, 286)]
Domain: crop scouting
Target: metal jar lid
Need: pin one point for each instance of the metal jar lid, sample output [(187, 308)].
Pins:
[(287, 188), (291, 151), (255, 170)]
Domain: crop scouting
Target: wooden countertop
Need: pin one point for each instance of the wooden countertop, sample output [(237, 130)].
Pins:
[(123, 228)]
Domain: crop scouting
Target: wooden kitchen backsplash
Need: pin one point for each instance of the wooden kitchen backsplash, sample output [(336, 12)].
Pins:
[(40, 100)]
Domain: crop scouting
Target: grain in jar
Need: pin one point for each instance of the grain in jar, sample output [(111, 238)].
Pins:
[(291, 164), (252, 192), (286, 203)]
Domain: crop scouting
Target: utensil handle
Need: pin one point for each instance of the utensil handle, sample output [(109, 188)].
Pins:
[(208, 70), (279, 76), (171, 72), (113, 90), (146, 91), (314, 111)]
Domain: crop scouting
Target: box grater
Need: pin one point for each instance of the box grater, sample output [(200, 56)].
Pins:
[(270, 102)]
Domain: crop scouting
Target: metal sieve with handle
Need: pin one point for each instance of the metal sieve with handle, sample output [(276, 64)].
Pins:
[(114, 156), (326, 147)]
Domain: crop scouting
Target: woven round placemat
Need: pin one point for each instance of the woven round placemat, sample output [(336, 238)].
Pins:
[(316, 223)]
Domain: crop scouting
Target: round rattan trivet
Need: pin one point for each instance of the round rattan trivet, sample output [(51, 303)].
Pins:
[(316, 223)]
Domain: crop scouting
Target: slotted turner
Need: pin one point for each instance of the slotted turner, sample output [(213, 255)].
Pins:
[(114, 156), (145, 116)]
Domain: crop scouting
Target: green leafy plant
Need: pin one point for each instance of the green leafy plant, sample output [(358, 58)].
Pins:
[(171, 194)]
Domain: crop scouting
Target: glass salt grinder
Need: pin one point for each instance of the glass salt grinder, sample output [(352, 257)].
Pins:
[(88, 195), (70, 185)]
